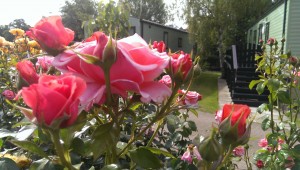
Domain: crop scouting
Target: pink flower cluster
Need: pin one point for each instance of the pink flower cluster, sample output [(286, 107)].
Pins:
[(130, 65)]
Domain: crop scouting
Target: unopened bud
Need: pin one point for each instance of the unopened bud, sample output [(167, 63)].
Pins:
[(109, 53), (210, 149)]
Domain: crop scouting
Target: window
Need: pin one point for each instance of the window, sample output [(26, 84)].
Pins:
[(166, 38), (254, 36), (267, 31), (179, 42), (250, 37), (260, 29), (132, 30)]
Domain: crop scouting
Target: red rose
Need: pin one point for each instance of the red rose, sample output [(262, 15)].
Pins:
[(27, 71), (260, 164), (159, 46), (239, 114), (181, 65), (54, 99), (51, 34)]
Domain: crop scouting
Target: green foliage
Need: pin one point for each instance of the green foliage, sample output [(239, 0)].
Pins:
[(113, 18), (280, 74), (152, 10), (75, 13), (215, 25)]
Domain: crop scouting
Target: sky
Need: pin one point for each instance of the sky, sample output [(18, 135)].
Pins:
[(33, 10)]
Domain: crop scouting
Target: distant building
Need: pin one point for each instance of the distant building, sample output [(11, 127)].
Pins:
[(283, 19), (175, 39)]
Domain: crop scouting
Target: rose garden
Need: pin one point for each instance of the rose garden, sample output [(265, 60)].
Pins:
[(121, 103)]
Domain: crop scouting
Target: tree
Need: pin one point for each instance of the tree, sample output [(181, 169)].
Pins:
[(152, 10), (75, 13), (17, 23), (217, 24), (113, 18)]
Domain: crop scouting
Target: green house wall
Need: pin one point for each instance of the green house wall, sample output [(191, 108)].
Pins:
[(275, 19), (293, 31)]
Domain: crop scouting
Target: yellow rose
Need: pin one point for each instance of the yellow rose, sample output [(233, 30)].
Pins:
[(17, 32)]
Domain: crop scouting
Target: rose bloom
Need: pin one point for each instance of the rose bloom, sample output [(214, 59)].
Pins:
[(191, 151), (51, 34), (44, 62), (259, 164), (271, 41), (159, 46), (181, 64), (191, 98), (218, 116), (135, 69), (27, 71), (2, 41), (263, 143), (238, 111), (17, 32), (239, 151), (166, 79), (8, 94), (54, 99)]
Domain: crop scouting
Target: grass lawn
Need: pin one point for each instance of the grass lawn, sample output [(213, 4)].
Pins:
[(207, 85)]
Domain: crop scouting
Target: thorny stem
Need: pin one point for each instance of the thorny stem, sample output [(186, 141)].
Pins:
[(157, 117), (60, 150), (155, 133), (227, 156)]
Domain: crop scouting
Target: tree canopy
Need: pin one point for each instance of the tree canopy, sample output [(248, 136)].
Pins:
[(113, 18), (217, 24), (76, 12), (152, 10), (17, 23)]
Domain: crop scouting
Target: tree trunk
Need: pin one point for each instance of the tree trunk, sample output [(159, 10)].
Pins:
[(220, 50)]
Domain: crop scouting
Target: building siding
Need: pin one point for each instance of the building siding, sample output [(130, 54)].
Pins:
[(293, 31), (157, 33), (275, 19)]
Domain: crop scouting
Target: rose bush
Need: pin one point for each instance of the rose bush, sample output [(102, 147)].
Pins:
[(106, 102)]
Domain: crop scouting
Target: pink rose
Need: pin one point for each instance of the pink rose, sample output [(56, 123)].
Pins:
[(191, 98), (239, 151), (159, 46), (135, 69), (27, 71), (44, 62), (263, 143), (51, 34), (190, 153), (181, 65), (8, 94), (166, 79), (54, 99), (271, 41)]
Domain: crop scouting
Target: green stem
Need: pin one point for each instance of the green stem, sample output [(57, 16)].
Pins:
[(155, 133), (227, 156), (271, 92), (107, 84), (60, 150), (157, 117)]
